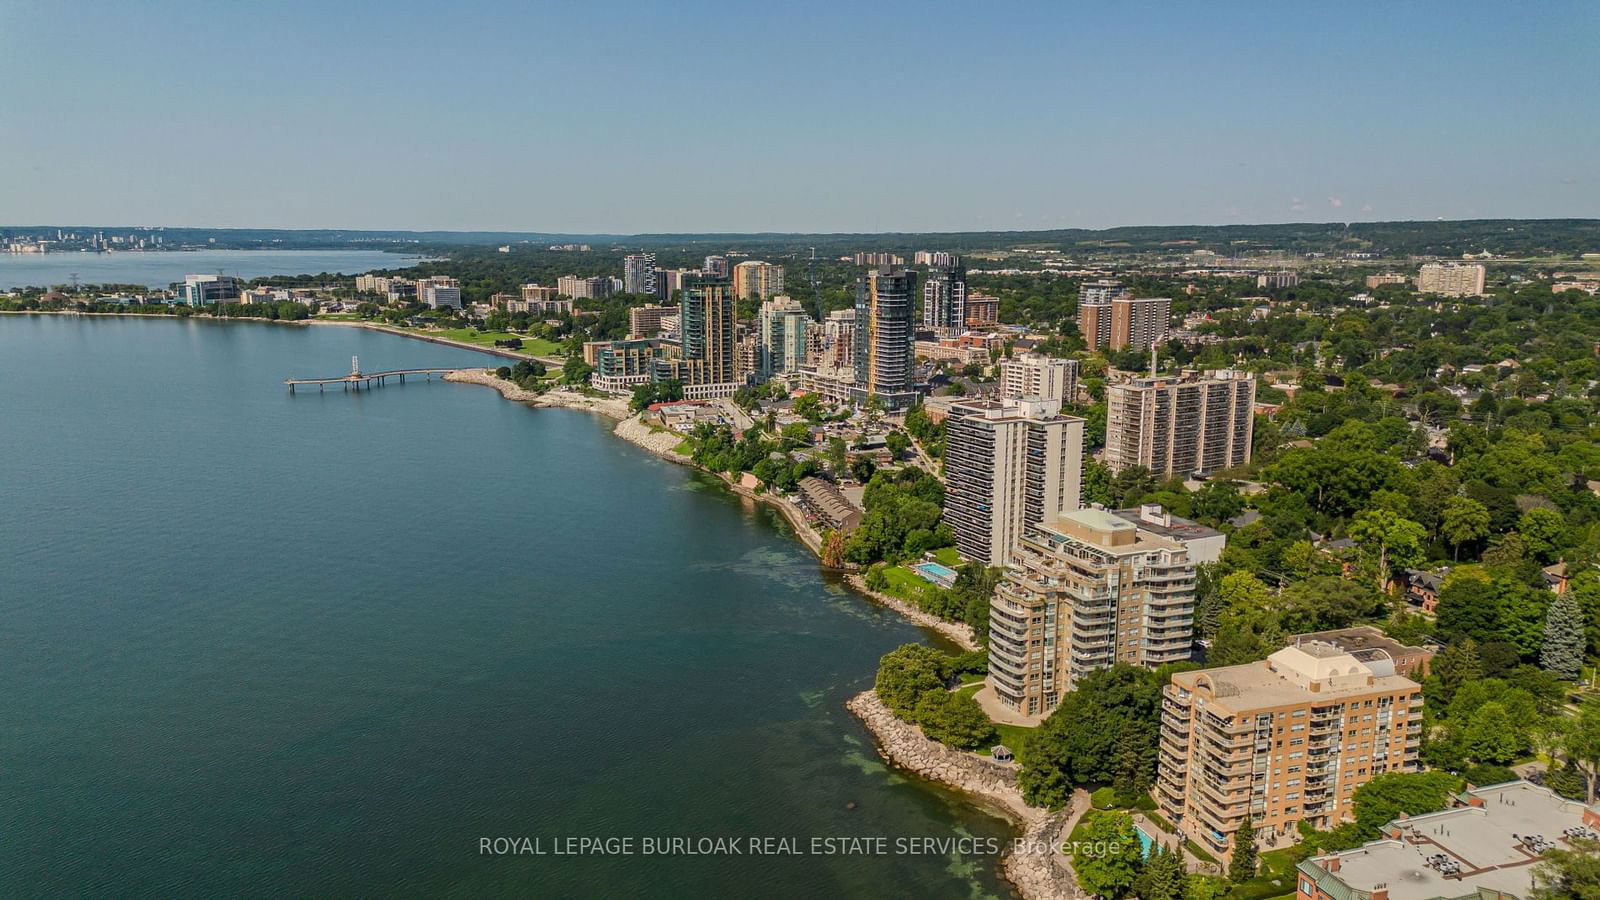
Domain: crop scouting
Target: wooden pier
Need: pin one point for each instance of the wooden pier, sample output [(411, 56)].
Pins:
[(358, 379)]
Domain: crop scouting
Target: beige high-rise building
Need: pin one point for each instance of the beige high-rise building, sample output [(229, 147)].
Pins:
[(534, 293), (982, 310), (1081, 593), (1383, 278), (1139, 322), (1451, 279), (756, 279), (1094, 311), (1037, 375), (1180, 426), (645, 321), (1009, 465), (1284, 740), (584, 288)]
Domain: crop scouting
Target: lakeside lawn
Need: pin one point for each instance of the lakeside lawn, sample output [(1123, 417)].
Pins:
[(1014, 737), (533, 345), (904, 582)]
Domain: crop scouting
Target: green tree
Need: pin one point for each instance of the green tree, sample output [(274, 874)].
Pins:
[(1107, 855), (1565, 874), (861, 470), (1130, 486), (1248, 627), (809, 407), (905, 674), (1394, 542), (1469, 606), (1581, 743), (795, 434), (575, 371), (1458, 665), (1490, 735), (1205, 887), (1543, 532), (1112, 715), (1385, 797), (1162, 877), (1242, 864), (1097, 483), (897, 442), (838, 457), (955, 719), (1564, 638), (1464, 521)]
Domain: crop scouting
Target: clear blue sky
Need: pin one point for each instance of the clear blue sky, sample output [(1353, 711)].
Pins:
[(821, 116)]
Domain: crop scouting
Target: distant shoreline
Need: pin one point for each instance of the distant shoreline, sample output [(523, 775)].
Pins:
[(614, 409)]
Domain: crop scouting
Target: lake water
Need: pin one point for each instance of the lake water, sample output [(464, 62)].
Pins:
[(160, 269), (321, 645)]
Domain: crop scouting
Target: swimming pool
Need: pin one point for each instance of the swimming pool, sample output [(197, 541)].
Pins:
[(936, 573), (1145, 841)]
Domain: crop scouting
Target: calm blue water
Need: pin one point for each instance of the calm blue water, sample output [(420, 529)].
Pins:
[(160, 269), (320, 645)]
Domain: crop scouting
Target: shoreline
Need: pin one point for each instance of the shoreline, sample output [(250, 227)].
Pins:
[(610, 407), (414, 335), (959, 632), (1033, 866), (1035, 875)]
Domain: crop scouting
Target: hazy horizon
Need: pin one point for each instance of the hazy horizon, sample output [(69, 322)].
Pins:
[(720, 118)]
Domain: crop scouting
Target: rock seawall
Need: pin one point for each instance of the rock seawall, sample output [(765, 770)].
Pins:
[(960, 632), (605, 406), (1033, 865), (661, 443)]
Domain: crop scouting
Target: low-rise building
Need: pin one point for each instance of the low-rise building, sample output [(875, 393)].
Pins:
[(1422, 587), (1485, 847), (1412, 662), (823, 499), (204, 290)]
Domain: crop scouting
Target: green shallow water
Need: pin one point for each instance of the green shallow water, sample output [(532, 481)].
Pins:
[(321, 645)]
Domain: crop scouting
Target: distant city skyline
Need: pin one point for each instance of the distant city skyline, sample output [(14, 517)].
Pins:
[(588, 119)]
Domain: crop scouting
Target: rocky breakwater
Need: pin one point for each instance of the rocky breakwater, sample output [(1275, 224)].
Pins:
[(563, 397), (657, 440), (1033, 864)]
